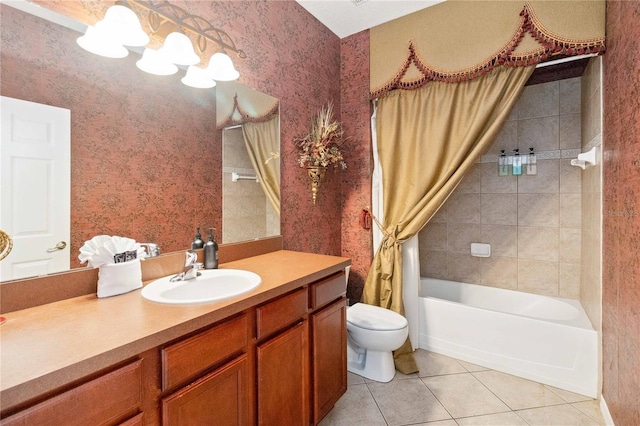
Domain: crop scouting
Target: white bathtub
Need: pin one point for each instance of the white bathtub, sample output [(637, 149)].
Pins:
[(546, 339)]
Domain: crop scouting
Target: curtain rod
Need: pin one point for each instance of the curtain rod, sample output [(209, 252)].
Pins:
[(567, 59)]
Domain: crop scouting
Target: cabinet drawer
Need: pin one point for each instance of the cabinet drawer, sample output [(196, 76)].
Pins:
[(281, 312), (102, 401), (327, 290), (187, 358)]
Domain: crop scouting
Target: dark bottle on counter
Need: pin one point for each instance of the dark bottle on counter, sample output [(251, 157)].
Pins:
[(197, 242), (211, 252)]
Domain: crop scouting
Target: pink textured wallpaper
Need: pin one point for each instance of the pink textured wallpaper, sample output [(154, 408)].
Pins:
[(621, 213), (356, 180), (290, 55)]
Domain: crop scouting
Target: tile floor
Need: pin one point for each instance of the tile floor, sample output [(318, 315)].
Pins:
[(449, 392)]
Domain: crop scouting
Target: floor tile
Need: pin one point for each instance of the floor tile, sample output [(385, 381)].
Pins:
[(356, 407), (433, 364), (500, 419), (568, 396), (557, 415), (591, 409), (354, 379), (475, 400), (472, 367), (516, 392), (407, 401), (438, 423)]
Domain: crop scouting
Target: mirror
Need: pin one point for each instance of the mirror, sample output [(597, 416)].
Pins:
[(146, 154)]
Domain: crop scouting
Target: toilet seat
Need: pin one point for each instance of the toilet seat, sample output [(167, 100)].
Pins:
[(371, 317)]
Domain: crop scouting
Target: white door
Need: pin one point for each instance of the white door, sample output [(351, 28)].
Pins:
[(35, 156)]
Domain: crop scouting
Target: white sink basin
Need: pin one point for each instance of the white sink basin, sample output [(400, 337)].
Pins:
[(211, 285)]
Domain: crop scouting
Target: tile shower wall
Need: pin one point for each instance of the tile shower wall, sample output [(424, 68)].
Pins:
[(533, 223)]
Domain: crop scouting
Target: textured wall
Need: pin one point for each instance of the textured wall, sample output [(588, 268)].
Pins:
[(290, 55), (356, 180), (621, 213), (532, 222)]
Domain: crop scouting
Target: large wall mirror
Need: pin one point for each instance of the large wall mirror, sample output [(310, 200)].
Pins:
[(146, 157)]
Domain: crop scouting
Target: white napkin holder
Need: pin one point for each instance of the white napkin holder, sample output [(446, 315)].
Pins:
[(119, 278)]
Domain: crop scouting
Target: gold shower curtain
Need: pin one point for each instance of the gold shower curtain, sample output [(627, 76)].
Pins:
[(263, 145), (427, 140)]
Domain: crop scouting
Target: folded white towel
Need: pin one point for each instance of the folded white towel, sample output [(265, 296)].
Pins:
[(119, 278)]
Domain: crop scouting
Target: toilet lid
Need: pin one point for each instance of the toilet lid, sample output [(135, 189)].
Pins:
[(375, 318)]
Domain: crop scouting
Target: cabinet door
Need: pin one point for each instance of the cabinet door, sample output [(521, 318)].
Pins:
[(283, 378), (329, 357), (220, 398)]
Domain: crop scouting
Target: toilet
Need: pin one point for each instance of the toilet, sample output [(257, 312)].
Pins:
[(373, 333)]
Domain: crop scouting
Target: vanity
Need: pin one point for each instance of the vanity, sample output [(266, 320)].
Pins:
[(273, 355)]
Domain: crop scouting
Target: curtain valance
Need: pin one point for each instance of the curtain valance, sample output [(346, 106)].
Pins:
[(238, 104), (461, 40)]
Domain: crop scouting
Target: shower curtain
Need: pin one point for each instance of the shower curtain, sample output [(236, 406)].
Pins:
[(426, 141)]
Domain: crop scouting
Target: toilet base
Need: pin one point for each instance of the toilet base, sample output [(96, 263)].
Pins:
[(373, 365)]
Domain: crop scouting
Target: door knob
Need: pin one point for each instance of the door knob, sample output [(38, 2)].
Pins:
[(60, 246)]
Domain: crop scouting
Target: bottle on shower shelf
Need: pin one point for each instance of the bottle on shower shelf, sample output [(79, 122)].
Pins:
[(503, 166), (532, 166), (516, 170)]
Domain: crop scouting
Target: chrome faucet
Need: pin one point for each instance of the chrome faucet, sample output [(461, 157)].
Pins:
[(151, 249), (190, 270)]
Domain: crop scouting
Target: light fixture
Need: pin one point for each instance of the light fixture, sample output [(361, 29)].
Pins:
[(221, 67), (177, 28), (198, 77), (154, 62)]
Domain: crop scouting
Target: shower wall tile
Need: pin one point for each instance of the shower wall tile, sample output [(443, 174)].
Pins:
[(501, 238), (435, 262), (533, 223), (570, 177), (539, 100), (570, 95), (541, 134), (433, 237), (499, 209), (571, 210), (546, 181), (491, 183), (460, 236), (538, 276), (569, 284), (570, 130), (499, 272), (538, 210), (538, 243), (570, 247), (463, 208), (470, 184), (463, 267)]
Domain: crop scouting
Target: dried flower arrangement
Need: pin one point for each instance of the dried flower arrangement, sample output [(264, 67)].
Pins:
[(321, 146)]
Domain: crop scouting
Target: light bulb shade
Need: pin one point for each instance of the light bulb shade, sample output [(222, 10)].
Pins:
[(178, 49), (124, 25), (221, 68), (97, 41), (198, 77), (155, 62)]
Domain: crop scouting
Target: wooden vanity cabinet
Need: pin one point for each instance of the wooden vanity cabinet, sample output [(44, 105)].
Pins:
[(110, 399), (328, 343)]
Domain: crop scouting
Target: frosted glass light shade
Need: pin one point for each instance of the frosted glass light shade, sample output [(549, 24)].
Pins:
[(221, 68), (154, 62), (198, 77), (124, 25), (97, 41), (178, 49)]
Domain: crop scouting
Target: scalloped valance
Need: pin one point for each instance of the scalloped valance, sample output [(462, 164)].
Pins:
[(460, 40), (238, 104)]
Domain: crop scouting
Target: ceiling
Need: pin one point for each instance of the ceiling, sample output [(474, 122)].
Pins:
[(347, 17)]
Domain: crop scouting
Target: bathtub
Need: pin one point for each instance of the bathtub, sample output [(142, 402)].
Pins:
[(546, 339)]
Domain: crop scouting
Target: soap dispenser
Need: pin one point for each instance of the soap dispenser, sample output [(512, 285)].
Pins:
[(516, 170), (503, 167), (211, 252), (197, 242), (532, 166)]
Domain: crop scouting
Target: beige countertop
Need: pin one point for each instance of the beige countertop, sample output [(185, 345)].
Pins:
[(44, 347)]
